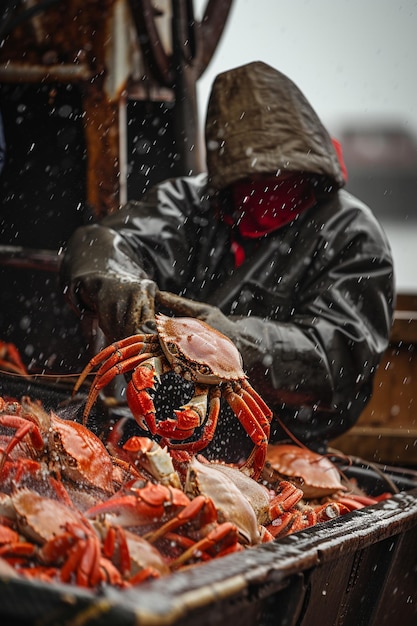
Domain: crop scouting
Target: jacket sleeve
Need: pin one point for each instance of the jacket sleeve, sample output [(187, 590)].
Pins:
[(317, 368), (144, 239)]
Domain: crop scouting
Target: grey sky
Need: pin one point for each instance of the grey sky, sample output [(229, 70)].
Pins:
[(351, 58)]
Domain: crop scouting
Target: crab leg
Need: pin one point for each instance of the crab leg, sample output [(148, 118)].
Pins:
[(22, 427), (84, 558), (11, 360), (330, 510), (103, 379), (292, 521), (266, 411), (257, 409), (115, 545), (255, 462), (10, 543), (114, 353), (201, 506), (287, 498), (254, 429), (224, 533)]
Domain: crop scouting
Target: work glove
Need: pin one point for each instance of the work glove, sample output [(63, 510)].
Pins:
[(124, 305), (200, 310)]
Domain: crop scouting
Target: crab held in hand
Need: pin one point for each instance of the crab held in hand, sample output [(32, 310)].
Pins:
[(200, 354)]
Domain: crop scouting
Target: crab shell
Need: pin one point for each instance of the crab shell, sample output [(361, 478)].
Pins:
[(193, 346), (313, 473), (256, 493), (142, 553), (81, 455), (40, 518), (231, 504)]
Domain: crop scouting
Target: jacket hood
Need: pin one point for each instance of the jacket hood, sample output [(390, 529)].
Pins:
[(259, 122)]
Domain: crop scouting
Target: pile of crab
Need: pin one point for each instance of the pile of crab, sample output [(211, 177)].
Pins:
[(76, 510)]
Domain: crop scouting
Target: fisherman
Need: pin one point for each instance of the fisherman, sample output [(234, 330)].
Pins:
[(266, 247)]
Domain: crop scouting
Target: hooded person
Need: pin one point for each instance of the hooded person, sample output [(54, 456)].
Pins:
[(267, 247)]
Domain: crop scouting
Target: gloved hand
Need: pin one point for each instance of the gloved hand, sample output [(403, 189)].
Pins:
[(206, 312), (124, 305)]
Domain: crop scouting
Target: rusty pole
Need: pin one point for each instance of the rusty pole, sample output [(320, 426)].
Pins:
[(194, 43)]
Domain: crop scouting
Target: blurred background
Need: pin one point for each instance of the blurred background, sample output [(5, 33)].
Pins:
[(355, 61)]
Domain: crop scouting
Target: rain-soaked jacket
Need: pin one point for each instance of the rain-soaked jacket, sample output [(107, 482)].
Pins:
[(312, 301)]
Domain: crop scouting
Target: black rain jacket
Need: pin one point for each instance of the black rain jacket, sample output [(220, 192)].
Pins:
[(312, 302)]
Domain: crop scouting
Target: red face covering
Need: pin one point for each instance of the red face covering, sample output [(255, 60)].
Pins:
[(265, 205)]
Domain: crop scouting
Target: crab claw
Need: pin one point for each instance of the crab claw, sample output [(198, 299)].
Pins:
[(140, 402), (141, 505), (187, 419), (289, 495), (153, 458)]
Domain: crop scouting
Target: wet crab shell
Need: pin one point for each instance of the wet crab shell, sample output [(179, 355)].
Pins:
[(256, 493), (231, 504), (40, 518), (192, 345), (314, 473), (81, 455)]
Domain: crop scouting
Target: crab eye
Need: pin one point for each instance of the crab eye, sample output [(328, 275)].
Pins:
[(172, 347), (56, 437)]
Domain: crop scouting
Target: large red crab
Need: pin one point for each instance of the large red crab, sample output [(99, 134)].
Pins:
[(191, 348)]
